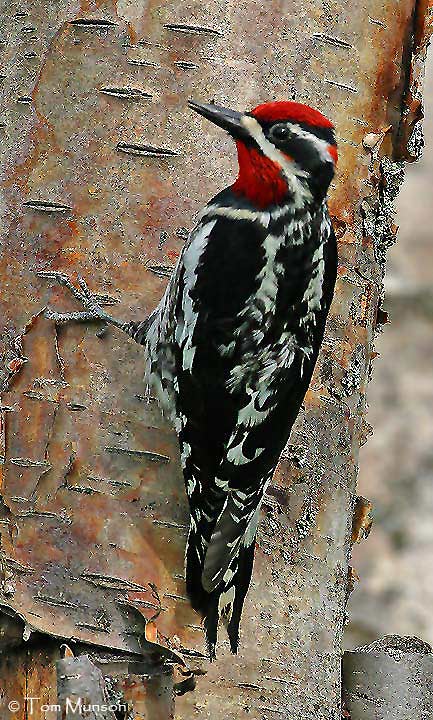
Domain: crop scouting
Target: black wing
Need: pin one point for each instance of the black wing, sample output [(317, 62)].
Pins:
[(231, 441)]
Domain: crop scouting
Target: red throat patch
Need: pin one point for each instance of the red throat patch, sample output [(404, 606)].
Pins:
[(260, 179)]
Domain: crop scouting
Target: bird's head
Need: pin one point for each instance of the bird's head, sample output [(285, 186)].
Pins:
[(287, 151)]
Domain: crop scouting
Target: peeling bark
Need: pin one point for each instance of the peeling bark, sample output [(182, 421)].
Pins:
[(104, 688), (80, 684), (104, 170)]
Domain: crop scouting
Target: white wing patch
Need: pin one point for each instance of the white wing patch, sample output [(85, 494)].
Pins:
[(165, 328), (236, 455), (251, 414), (191, 257), (268, 276), (251, 530), (260, 363), (314, 291), (222, 484), (263, 218), (225, 603)]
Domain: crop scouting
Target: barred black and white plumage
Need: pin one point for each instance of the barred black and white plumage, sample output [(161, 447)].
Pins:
[(231, 349)]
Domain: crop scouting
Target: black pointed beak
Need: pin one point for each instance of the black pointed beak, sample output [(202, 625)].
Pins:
[(229, 120)]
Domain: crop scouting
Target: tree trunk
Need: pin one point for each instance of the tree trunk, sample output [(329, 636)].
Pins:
[(391, 678), (104, 169)]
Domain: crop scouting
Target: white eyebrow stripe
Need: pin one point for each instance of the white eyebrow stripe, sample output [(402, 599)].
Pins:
[(321, 145), (292, 173)]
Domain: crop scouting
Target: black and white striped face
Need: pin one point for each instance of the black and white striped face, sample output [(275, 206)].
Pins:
[(285, 150), (308, 146), (312, 149)]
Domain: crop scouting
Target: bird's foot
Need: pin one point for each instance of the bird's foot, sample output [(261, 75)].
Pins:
[(92, 302)]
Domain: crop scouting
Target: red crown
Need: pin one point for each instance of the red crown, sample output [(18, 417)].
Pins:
[(287, 110)]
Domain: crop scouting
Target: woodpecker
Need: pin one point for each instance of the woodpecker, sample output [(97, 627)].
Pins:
[(231, 347)]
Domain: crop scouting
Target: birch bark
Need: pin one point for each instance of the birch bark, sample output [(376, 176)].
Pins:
[(103, 172)]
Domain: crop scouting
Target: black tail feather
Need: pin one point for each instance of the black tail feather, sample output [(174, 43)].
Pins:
[(208, 604), (242, 581), (194, 559)]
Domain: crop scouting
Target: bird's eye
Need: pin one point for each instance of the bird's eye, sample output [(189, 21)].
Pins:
[(280, 131)]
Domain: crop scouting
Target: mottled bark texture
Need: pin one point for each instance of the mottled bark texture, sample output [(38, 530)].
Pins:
[(105, 688), (80, 682), (391, 678), (104, 169)]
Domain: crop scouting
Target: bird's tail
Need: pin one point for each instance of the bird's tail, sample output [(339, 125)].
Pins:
[(225, 601), (194, 560)]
